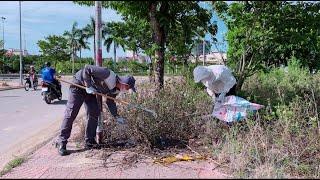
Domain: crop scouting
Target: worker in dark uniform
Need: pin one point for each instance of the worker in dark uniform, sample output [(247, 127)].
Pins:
[(95, 79)]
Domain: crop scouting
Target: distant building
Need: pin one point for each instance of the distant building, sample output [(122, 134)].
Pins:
[(11, 52), (141, 58), (211, 58), (198, 49)]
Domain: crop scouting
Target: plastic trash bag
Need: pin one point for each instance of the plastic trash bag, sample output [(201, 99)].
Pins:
[(217, 78), (234, 108)]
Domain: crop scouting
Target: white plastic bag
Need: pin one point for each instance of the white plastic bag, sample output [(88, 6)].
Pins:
[(223, 81), (217, 78), (234, 108)]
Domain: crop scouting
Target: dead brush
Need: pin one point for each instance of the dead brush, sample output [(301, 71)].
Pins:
[(172, 127)]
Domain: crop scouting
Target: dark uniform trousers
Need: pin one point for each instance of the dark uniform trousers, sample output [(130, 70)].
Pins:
[(77, 97)]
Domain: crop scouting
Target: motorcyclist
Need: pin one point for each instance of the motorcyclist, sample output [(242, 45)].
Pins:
[(48, 76), (32, 75)]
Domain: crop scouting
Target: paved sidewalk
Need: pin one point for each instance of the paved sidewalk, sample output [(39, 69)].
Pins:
[(46, 163), (7, 85), (106, 164)]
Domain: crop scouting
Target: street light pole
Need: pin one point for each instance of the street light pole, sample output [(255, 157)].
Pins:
[(3, 18), (20, 46), (98, 33), (203, 50)]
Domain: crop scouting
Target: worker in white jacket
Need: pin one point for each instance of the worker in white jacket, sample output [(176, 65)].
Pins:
[(217, 78)]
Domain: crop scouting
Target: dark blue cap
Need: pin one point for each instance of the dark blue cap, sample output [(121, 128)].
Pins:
[(129, 80)]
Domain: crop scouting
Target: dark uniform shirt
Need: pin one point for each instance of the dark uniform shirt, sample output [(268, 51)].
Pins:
[(94, 76)]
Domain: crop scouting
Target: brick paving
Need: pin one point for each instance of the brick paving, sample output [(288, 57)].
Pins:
[(46, 163)]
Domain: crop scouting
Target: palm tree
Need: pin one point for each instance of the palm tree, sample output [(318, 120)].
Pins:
[(1, 44), (89, 31), (73, 38), (111, 34), (83, 43)]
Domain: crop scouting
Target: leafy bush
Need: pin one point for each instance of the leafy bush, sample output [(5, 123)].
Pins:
[(280, 85)]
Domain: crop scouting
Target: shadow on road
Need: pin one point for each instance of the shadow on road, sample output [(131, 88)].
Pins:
[(60, 102), (31, 90)]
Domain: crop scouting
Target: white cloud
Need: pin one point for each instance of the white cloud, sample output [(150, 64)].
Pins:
[(43, 18)]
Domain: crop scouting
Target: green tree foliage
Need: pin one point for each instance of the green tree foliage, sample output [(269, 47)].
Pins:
[(83, 43), (74, 40), (89, 31), (1, 44), (163, 17), (54, 48), (113, 33), (264, 34)]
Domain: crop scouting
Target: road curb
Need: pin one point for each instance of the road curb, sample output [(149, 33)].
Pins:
[(4, 89), (28, 150), (10, 88)]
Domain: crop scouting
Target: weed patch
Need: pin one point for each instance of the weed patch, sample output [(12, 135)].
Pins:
[(12, 164)]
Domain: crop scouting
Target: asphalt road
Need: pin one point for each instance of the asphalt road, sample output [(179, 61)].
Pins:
[(24, 113)]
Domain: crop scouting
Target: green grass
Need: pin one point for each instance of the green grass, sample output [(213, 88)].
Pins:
[(12, 164)]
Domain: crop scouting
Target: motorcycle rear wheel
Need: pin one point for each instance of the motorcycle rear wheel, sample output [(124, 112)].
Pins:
[(26, 86), (47, 98), (35, 85)]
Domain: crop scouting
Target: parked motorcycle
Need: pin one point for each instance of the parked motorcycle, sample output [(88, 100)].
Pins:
[(50, 92), (27, 84)]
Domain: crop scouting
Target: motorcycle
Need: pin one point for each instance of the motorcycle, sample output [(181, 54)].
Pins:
[(50, 92), (27, 84)]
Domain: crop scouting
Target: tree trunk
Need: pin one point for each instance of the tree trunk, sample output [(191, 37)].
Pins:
[(239, 84), (80, 53), (197, 59), (159, 39), (114, 52), (72, 56), (151, 71), (134, 54), (94, 48)]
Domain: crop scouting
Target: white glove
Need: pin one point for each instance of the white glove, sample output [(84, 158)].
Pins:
[(211, 93), (90, 90), (221, 97), (121, 120)]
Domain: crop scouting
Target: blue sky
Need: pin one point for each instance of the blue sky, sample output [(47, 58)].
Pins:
[(43, 18)]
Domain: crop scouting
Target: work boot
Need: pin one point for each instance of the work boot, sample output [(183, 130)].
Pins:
[(99, 137), (92, 145), (62, 149)]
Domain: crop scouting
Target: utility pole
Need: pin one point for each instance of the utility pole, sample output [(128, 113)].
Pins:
[(3, 18), (25, 44), (203, 51), (20, 46), (98, 33)]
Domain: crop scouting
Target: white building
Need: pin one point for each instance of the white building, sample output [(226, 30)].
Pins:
[(211, 58), (141, 58), (11, 52)]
